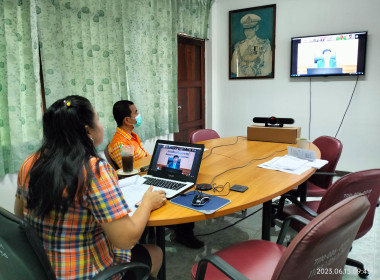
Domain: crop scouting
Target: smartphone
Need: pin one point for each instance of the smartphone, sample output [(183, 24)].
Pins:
[(238, 188)]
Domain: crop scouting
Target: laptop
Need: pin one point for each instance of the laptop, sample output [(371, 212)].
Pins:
[(174, 166)]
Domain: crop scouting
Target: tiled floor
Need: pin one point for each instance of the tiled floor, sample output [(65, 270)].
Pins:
[(180, 259)]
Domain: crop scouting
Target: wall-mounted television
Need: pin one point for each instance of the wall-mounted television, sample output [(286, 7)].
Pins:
[(339, 54)]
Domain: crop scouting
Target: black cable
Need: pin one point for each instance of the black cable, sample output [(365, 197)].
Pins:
[(226, 227), (242, 166), (220, 188), (310, 111), (237, 138), (349, 103), (223, 186)]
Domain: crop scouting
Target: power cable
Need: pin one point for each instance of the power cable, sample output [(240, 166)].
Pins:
[(226, 227), (349, 103)]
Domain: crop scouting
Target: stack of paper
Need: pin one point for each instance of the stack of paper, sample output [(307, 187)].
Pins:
[(287, 164), (296, 162)]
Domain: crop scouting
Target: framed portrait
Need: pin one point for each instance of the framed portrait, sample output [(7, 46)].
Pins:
[(252, 42)]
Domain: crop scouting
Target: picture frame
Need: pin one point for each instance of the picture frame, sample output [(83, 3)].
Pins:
[(252, 42)]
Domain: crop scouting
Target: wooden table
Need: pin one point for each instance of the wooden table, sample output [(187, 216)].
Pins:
[(263, 184)]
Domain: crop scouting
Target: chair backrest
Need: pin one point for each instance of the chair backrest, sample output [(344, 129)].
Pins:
[(202, 135), (109, 159), (322, 245), (21, 253), (331, 149), (362, 182)]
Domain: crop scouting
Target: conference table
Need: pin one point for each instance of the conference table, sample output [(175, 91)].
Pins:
[(233, 160)]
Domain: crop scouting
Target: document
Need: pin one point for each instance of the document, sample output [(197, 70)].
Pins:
[(133, 190), (309, 155), (301, 153), (288, 164), (292, 164)]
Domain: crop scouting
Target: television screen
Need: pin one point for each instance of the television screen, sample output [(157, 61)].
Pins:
[(338, 54)]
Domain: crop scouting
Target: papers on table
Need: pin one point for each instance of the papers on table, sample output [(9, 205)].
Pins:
[(301, 153), (133, 190), (287, 164), (296, 162)]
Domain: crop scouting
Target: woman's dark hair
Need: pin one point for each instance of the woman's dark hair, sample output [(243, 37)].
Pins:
[(62, 169), (121, 109)]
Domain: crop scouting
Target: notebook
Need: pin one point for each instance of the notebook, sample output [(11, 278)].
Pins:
[(174, 166)]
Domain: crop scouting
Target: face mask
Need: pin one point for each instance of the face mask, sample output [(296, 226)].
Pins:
[(138, 120)]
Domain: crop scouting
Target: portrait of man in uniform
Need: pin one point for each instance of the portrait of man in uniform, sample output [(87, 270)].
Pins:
[(252, 42)]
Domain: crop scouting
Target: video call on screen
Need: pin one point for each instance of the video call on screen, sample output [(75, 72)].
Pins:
[(176, 159)]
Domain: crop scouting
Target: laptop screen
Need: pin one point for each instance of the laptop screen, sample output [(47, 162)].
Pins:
[(176, 160)]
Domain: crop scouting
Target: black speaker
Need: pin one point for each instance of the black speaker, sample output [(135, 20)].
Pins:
[(204, 187), (273, 121)]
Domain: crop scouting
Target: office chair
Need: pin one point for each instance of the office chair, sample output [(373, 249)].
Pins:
[(331, 149), (364, 182), (316, 186), (22, 255), (202, 135), (109, 159), (323, 242)]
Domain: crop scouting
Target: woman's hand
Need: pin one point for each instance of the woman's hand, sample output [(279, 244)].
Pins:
[(125, 232), (155, 199)]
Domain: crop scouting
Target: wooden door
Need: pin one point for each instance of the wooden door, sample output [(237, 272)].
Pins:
[(191, 87)]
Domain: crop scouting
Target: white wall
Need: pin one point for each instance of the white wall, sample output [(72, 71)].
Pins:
[(236, 102)]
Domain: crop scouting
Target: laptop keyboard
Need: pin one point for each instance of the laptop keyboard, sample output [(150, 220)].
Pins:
[(164, 184)]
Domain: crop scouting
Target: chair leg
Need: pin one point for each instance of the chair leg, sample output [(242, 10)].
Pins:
[(274, 216), (277, 206), (302, 191), (362, 272)]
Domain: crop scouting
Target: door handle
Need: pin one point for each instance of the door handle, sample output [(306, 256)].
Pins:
[(179, 107)]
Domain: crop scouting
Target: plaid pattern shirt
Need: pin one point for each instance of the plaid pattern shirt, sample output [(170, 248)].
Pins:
[(76, 244), (124, 138)]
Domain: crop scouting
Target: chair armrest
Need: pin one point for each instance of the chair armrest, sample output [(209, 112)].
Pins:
[(295, 201), (286, 224), (220, 264), (325, 173), (141, 270)]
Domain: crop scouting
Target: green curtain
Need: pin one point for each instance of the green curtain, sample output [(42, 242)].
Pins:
[(192, 17), (103, 50), (82, 53), (112, 50), (20, 93)]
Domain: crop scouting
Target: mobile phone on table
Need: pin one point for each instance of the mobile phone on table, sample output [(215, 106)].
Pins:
[(238, 188)]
